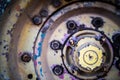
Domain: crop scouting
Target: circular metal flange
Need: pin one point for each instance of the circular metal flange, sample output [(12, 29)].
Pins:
[(34, 30), (81, 33), (88, 55), (90, 58)]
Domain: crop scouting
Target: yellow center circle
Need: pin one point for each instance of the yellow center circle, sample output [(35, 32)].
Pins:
[(90, 57)]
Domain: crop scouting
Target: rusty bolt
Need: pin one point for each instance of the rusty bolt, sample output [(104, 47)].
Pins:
[(37, 20), (26, 57)]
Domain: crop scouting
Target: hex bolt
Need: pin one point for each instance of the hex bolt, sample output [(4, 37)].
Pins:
[(26, 57), (58, 70), (44, 13), (71, 25), (97, 22), (56, 3), (37, 20), (55, 45)]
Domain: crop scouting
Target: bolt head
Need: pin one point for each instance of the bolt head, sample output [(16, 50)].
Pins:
[(26, 57), (97, 22), (58, 70), (37, 20), (71, 25), (55, 45)]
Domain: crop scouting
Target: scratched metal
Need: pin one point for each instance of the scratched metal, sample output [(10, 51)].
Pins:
[(18, 34)]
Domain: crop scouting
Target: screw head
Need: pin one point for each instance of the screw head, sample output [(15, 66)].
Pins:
[(71, 25), (97, 22), (26, 57), (58, 70), (55, 45), (37, 20)]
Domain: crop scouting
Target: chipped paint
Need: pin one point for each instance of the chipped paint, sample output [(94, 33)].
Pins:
[(40, 46), (41, 53)]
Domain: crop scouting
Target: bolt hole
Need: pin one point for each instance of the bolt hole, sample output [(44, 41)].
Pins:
[(30, 76)]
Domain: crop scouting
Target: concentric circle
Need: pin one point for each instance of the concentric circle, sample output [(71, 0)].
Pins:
[(60, 40), (90, 57), (87, 54), (72, 27)]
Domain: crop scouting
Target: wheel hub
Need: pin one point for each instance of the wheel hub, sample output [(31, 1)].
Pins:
[(84, 52), (90, 58), (60, 40)]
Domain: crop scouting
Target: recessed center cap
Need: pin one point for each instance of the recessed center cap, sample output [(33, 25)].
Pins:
[(90, 57), (87, 53)]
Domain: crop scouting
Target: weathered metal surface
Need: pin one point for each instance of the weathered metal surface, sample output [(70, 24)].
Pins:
[(35, 34)]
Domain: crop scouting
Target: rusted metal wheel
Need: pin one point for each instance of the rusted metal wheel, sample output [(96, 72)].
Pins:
[(60, 40)]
